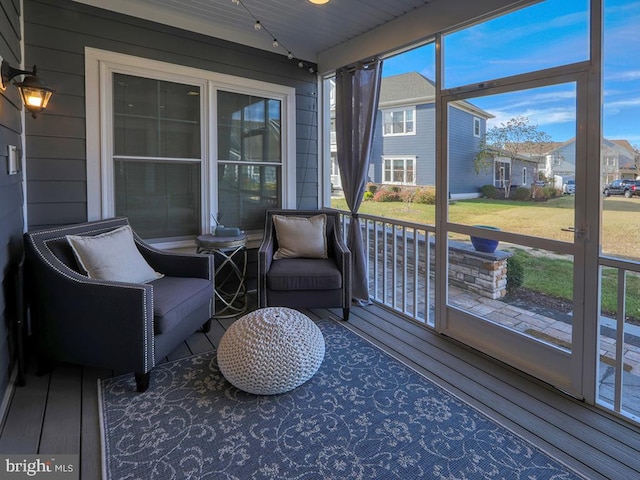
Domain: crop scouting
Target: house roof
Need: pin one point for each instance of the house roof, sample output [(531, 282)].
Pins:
[(624, 144), (415, 89)]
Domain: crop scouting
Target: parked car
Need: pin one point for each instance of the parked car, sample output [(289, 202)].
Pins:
[(628, 188), (569, 188)]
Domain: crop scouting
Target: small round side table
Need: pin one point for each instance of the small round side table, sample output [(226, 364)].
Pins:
[(230, 263)]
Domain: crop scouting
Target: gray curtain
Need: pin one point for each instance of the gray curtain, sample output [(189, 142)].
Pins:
[(357, 94)]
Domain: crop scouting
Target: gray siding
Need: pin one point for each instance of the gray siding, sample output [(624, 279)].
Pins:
[(11, 201), (463, 146), (422, 145), (56, 33)]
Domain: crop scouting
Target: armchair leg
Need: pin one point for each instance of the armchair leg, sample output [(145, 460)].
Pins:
[(345, 314), (142, 381), (206, 326)]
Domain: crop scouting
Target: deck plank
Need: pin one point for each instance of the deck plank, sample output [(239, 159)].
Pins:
[(90, 456), (23, 425), (62, 420)]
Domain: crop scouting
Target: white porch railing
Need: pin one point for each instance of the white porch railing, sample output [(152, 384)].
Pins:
[(398, 264)]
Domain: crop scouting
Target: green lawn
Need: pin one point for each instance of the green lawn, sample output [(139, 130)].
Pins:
[(543, 273), (550, 219)]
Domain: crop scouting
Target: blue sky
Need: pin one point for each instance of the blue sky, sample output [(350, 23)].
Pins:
[(548, 34)]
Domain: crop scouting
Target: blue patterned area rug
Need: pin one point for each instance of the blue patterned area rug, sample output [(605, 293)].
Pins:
[(364, 415)]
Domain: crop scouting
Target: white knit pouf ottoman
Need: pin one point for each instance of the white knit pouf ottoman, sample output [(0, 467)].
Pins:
[(271, 350)]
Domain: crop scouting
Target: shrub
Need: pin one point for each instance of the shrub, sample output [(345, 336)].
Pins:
[(426, 196), (522, 193), (385, 195), (372, 187), (408, 194), (489, 191), (367, 196), (395, 188), (515, 273)]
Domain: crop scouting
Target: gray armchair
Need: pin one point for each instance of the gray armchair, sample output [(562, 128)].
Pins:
[(305, 282), (122, 326)]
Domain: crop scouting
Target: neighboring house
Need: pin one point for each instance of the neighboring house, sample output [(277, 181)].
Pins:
[(512, 170), (617, 157), (404, 151)]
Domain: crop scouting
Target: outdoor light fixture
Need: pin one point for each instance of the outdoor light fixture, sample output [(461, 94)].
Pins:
[(33, 90)]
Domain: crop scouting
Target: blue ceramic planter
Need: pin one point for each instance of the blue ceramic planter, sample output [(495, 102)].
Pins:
[(484, 245)]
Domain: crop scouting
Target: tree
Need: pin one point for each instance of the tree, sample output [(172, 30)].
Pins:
[(511, 139)]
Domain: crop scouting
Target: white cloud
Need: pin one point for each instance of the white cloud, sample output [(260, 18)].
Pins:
[(540, 117)]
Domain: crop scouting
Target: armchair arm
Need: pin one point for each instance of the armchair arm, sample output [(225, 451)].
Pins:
[(177, 264), (343, 260), (265, 257)]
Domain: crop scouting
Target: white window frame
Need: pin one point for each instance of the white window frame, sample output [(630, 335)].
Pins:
[(477, 127), (404, 121), (498, 164), (404, 158), (99, 68)]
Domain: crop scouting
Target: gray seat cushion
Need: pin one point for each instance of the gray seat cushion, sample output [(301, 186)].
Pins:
[(176, 297), (304, 274)]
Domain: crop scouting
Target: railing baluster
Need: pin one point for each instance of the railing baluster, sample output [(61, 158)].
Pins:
[(380, 260), (405, 309), (416, 274), (620, 319)]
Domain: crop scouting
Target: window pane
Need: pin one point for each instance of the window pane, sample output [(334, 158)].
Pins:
[(620, 149), (547, 34), (529, 129), (245, 192), (410, 178), (161, 199), (248, 128), (153, 118)]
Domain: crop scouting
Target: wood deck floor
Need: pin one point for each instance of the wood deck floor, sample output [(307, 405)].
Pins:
[(58, 413)]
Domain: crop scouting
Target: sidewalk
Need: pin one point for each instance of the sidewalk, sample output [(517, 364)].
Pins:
[(556, 328)]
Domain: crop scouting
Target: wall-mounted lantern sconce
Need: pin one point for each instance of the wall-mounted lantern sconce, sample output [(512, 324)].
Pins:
[(33, 90)]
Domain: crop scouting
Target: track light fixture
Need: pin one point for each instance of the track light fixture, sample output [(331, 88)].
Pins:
[(34, 92)]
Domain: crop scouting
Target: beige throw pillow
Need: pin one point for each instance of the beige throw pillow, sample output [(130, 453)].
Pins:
[(112, 256), (300, 236)]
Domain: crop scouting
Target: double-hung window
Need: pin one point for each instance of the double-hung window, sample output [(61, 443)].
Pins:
[(399, 122), (249, 158), (400, 170), (177, 149), (157, 156), (477, 127)]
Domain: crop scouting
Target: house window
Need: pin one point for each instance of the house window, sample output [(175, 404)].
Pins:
[(157, 155), (399, 170), (502, 174), (524, 176), (399, 122), (249, 158), (175, 146), (476, 127)]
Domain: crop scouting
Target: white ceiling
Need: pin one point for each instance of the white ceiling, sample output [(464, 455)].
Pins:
[(311, 31)]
